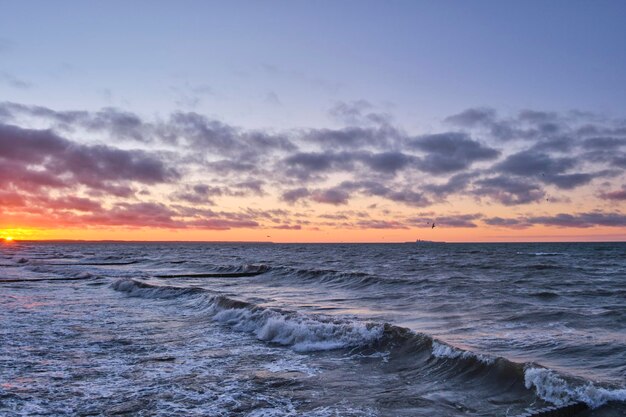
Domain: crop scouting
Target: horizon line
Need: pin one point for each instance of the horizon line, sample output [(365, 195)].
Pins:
[(291, 243)]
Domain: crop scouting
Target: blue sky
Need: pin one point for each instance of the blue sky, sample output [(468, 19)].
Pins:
[(284, 64)]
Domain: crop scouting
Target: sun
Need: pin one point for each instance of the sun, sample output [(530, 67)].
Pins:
[(8, 239)]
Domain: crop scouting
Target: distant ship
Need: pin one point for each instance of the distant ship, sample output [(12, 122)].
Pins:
[(422, 242)]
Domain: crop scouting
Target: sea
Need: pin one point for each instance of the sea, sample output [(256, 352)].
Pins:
[(259, 329)]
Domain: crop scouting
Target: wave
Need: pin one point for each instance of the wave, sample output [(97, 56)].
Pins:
[(315, 332), (341, 279), (221, 272), (556, 389)]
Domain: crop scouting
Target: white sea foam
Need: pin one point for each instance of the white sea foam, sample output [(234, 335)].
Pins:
[(292, 365), (441, 350), (553, 388), (302, 333)]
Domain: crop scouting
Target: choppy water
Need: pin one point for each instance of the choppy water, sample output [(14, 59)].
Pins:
[(311, 330)]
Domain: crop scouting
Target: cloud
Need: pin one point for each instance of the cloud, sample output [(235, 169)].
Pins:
[(142, 214), (532, 163), (508, 190), (402, 194), (304, 165), (563, 220), (548, 169), (336, 196), (222, 224), (288, 227), (451, 152), (70, 203), (353, 137), (357, 113), (616, 195), (472, 117), (106, 166), (583, 220), (459, 220), (507, 223), (320, 161), (604, 143), (381, 224), (33, 158), (387, 162), (294, 195), (455, 184)]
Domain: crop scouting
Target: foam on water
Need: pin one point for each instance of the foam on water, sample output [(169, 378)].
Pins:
[(442, 350), (554, 388), (302, 333)]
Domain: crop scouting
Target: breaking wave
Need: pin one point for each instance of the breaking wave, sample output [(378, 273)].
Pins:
[(309, 332)]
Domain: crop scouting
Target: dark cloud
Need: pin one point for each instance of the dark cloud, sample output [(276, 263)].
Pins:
[(353, 137), (341, 193), (320, 161), (548, 169), (604, 143), (508, 190), (253, 186), (186, 130), (451, 152), (616, 195), (569, 181), (305, 164), (528, 125), (71, 203), (336, 196), (404, 194), (591, 219), (105, 180), (213, 137), (455, 184), (36, 158), (135, 214), (387, 162), (117, 123), (619, 160), (294, 195), (555, 144), (198, 194), (532, 163), (229, 166), (579, 220), (507, 223), (459, 220)]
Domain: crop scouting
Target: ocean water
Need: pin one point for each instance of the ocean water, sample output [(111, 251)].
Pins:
[(196, 329)]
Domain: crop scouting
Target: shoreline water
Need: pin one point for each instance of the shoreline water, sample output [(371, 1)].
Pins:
[(319, 313)]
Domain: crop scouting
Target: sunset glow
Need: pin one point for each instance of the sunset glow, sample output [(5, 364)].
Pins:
[(362, 138)]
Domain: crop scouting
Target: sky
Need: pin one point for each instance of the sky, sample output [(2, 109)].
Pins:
[(294, 121)]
